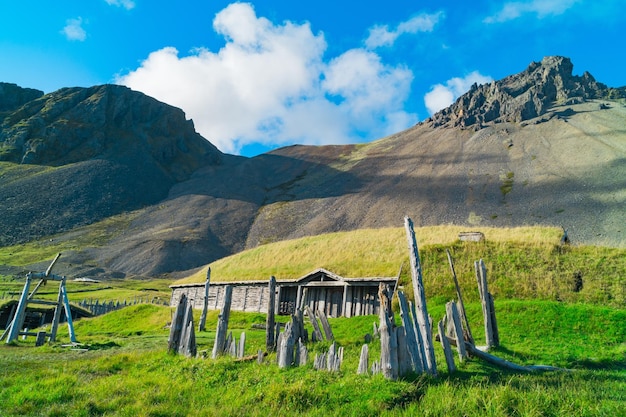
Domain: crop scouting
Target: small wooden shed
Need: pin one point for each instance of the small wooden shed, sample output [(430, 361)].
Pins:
[(335, 295)]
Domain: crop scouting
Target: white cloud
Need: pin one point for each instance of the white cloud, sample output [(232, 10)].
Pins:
[(127, 4), (441, 96), (74, 31), (382, 36), (269, 84), (542, 8)]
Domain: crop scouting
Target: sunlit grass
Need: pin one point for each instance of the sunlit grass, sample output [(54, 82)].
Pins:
[(127, 371)]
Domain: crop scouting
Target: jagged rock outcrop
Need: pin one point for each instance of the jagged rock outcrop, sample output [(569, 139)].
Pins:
[(12, 96), (523, 96)]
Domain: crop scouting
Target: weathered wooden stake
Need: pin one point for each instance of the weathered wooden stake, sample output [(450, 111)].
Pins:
[(317, 333), (205, 303), (405, 362), (270, 333), (176, 327), (453, 317), (222, 323), (302, 354), (446, 348), (284, 351), (325, 325), (242, 345), (388, 339), (364, 360), (409, 326), (419, 296), (461, 306), (486, 300)]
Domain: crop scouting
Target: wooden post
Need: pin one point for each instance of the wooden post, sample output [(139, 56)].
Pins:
[(419, 296), (68, 312), (326, 326), (453, 317), (494, 323), (18, 319), (205, 303), (222, 323), (176, 325), (461, 306), (302, 354), (364, 360), (405, 362), (317, 333), (285, 349), (446, 348), (412, 341), (388, 339), (41, 339), (270, 342), (57, 316), (488, 313)]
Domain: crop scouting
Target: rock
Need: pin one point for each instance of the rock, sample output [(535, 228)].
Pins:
[(12, 96), (108, 122), (522, 96)]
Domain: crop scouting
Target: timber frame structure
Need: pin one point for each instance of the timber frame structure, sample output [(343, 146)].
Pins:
[(15, 328), (320, 290)]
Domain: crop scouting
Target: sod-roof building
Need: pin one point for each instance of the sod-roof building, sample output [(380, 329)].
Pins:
[(320, 290)]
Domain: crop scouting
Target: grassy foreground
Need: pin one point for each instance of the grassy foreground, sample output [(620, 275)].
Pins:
[(126, 371)]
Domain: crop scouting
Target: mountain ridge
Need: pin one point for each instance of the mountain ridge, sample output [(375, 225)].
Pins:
[(554, 153)]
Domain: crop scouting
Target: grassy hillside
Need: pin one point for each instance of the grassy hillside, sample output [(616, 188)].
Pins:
[(525, 262), (126, 371)]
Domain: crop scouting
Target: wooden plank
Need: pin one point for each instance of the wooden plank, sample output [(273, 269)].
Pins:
[(317, 333), (284, 351), (242, 345), (364, 360), (411, 338), (388, 340), (270, 342), (205, 302), (446, 348), (176, 326), (348, 310), (453, 317), (461, 306), (405, 363), (222, 323), (483, 290), (420, 297), (326, 326)]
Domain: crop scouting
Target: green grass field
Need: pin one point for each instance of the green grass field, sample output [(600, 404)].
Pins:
[(126, 371), (122, 367)]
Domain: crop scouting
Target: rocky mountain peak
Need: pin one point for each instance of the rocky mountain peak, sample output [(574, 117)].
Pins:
[(102, 122), (13, 96), (523, 96)]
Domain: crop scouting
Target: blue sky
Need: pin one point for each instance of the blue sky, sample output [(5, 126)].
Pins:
[(255, 76)]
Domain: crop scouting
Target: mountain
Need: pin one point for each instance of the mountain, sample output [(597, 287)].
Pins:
[(540, 147), (80, 155)]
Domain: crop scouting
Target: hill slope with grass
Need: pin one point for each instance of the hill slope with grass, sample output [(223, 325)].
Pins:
[(526, 262)]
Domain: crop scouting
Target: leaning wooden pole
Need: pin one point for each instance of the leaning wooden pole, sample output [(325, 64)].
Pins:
[(461, 306), (205, 303), (420, 297), (270, 332)]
